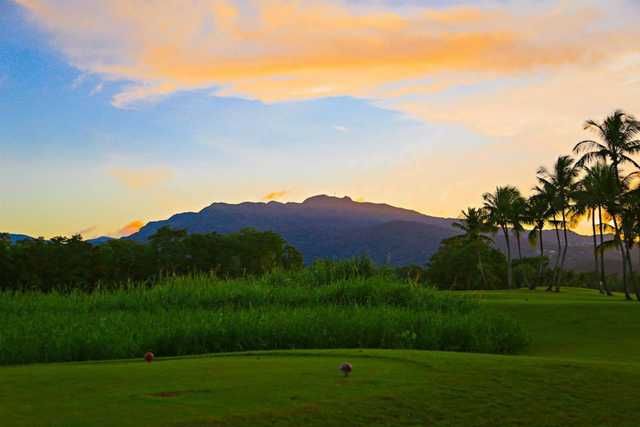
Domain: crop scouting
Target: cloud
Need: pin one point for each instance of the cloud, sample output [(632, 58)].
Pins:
[(97, 89), (285, 50), (78, 81), (142, 178), (85, 231), (275, 195), (130, 228), (341, 128)]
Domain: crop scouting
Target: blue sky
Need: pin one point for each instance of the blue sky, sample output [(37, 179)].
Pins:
[(100, 127)]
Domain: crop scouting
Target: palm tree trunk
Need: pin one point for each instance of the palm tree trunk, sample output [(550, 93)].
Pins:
[(564, 250), (625, 283), (636, 291), (509, 272), (603, 277), (615, 224), (557, 262), (595, 247), (517, 236), (483, 277), (541, 264)]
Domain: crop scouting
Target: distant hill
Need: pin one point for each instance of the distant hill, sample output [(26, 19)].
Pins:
[(18, 237), (337, 228), (99, 240)]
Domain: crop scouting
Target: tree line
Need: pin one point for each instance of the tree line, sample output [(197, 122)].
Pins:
[(599, 184), (65, 263)]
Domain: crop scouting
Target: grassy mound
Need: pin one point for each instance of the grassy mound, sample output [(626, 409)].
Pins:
[(386, 388), (205, 315)]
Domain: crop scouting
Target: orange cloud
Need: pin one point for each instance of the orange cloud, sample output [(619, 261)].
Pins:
[(140, 178), (285, 50), (129, 229), (275, 195)]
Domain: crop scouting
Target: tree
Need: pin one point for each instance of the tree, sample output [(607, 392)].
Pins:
[(168, 246), (595, 191), (537, 213), (455, 265), (618, 134), (630, 228), (500, 206), (562, 180), (619, 141), (474, 223)]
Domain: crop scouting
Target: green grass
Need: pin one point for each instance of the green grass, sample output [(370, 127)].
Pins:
[(581, 369), (206, 315), (305, 388), (574, 324)]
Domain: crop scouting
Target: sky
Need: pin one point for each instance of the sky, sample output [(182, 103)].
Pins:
[(115, 113)]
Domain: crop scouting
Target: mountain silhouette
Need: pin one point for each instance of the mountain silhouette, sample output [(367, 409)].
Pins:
[(337, 228)]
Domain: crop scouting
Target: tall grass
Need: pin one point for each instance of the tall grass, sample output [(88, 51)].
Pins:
[(192, 315)]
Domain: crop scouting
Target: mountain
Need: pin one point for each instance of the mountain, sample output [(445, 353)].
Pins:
[(99, 240), (18, 237), (337, 228)]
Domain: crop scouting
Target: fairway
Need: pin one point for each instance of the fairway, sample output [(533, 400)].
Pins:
[(584, 384), (573, 324)]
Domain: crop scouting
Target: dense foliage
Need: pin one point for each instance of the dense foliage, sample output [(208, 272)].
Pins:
[(205, 314), (69, 263), (463, 263)]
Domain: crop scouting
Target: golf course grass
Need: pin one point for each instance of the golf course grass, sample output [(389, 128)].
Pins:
[(581, 369)]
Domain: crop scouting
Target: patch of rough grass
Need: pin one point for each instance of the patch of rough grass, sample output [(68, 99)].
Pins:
[(206, 315)]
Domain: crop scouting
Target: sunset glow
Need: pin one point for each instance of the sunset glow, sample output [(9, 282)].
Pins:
[(137, 109)]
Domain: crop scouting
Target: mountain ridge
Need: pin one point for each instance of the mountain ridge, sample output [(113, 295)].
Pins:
[(330, 227), (337, 227)]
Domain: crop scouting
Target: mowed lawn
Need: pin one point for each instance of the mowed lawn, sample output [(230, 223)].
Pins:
[(582, 369), (575, 323)]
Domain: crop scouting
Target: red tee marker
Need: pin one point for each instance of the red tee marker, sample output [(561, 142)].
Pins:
[(346, 368), (149, 357)]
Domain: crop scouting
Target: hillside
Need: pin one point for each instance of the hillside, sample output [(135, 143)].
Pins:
[(331, 227)]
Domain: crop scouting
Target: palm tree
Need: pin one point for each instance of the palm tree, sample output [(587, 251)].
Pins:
[(538, 209), (550, 194), (562, 180), (619, 141), (619, 134), (629, 229), (605, 188), (632, 230), (618, 205), (499, 207), (585, 206), (475, 223)]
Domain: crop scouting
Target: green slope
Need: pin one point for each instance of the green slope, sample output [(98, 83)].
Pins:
[(586, 372), (575, 323)]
